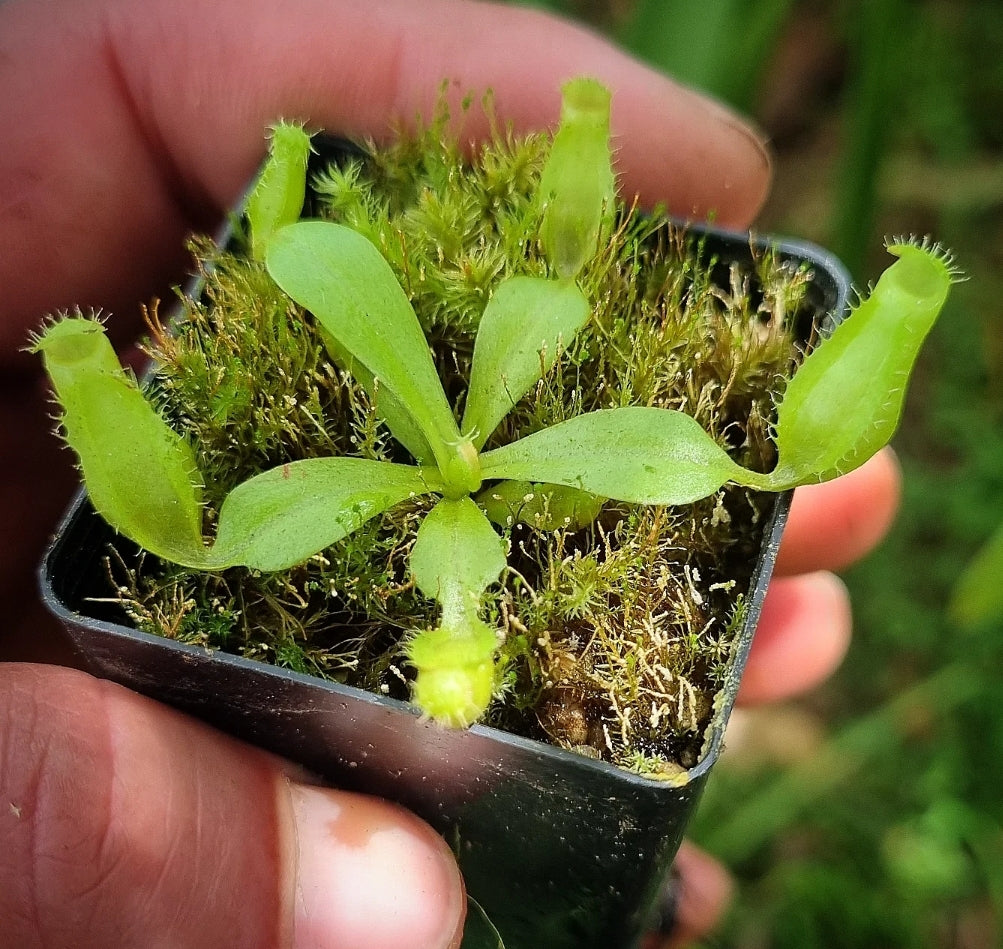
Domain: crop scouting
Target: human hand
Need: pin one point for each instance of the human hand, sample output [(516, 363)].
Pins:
[(126, 125)]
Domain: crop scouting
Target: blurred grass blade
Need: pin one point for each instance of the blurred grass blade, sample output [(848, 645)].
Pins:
[(752, 824), (284, 516), (876, 73), (718, 46), (977, 597)]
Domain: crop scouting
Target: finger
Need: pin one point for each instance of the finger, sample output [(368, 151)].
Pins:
[(126, 124), (833, 524), (693, 901), (37, 481), (803, 634), (122, 818)]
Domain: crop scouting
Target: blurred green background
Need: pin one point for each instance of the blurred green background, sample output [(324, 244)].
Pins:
[(871, 813)]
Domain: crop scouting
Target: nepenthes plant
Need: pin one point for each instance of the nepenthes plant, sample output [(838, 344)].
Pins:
[(841, 406)]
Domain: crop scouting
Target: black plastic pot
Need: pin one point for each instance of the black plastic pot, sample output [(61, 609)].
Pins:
[(560, 851)]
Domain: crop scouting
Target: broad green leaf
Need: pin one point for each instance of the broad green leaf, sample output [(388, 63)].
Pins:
[(635, 454), (140, 474), (285, 515), (844, 402), (577, 185), (527, 322), (340, 277), (456, 556), (277, 197)]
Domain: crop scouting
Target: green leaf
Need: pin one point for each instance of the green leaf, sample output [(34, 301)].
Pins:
[(844, 402), (978, 594), (285, 515), (140, 474), (636, 454), (577, 185), (340, 277), (525, 325), (478, 930), (387, 405), (277, 197), (456, 556)]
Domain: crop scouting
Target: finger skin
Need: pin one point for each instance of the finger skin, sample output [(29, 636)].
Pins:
[(38, 479), (126, 124), (86, 857), (700, 890), (832, 525), (124, 823), (802, 637)]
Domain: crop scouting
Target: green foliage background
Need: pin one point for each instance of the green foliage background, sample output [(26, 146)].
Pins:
[(871, 813)]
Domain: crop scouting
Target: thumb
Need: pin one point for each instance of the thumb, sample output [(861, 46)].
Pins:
[(124, 823)]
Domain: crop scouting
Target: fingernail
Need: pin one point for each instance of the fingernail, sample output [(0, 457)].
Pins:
[(756, 144), (742, 167), (371, 874), (738, 123)]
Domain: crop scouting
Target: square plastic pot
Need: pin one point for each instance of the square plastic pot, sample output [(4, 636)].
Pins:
[(559, 850)]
